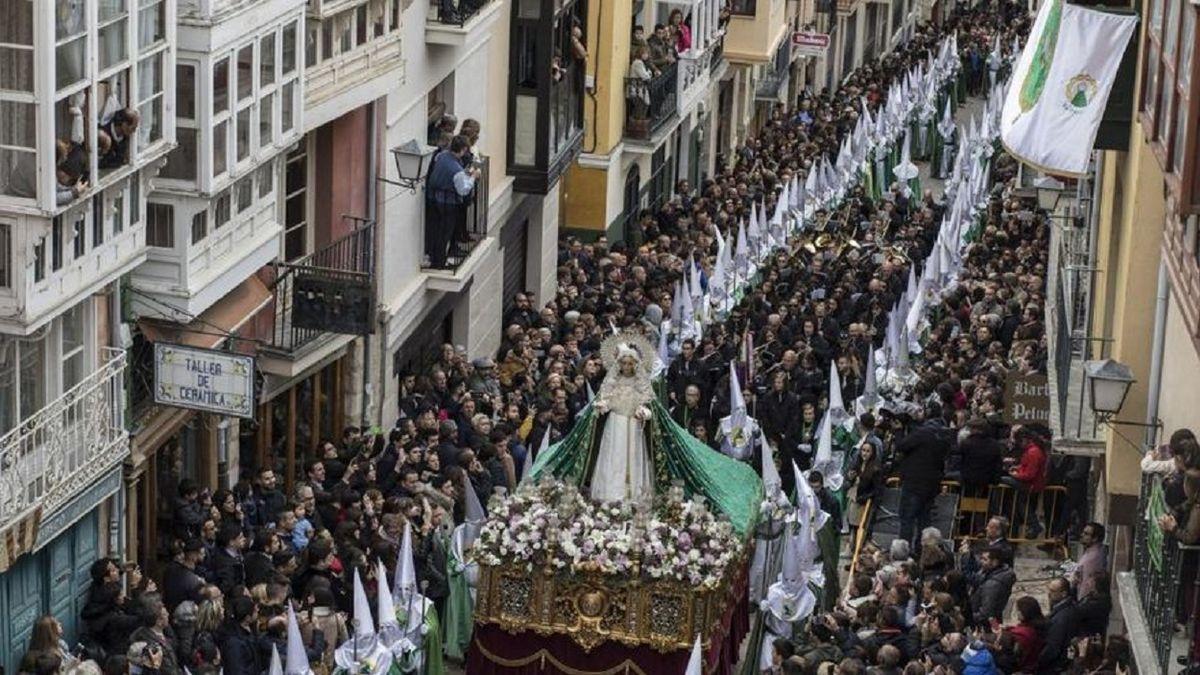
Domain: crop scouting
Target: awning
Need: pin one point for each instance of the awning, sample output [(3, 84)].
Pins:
[(213, 325)]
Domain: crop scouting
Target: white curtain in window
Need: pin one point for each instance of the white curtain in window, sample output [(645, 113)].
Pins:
[(69, 17), (16, 28), (77, 101), (113, 102)]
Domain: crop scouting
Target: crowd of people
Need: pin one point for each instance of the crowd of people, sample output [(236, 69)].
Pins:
[(240, 556)]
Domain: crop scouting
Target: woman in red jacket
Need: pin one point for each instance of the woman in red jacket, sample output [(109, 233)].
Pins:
[(1029, 632), (1028, 478)]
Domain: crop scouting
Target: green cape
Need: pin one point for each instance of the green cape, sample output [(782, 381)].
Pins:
[(731, 486)]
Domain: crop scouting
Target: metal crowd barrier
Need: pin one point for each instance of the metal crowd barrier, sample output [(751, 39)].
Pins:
[(1032, 518)]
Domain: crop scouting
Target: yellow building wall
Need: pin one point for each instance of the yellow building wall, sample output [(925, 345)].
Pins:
[(609, 29), (585, 197), (1131, 250), (753, 39)]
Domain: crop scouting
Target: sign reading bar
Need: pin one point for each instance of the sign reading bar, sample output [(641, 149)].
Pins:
[(1026, 399), (204, 379), (806, 43)]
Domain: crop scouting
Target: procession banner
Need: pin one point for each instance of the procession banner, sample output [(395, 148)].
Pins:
[(1155, 508), (1061, 84)]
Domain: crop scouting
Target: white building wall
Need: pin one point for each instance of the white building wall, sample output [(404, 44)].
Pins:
[(1179, 398)]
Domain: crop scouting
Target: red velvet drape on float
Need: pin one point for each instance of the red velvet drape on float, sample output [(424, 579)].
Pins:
[(497, 652)]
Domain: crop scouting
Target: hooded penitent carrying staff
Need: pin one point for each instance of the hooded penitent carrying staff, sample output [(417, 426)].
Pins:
[(364, 652), (462, 574), (413, 633)]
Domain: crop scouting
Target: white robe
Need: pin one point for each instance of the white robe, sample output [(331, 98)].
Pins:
[(623, 468)]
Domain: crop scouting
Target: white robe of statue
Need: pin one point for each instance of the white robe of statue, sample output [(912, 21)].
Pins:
[(623, 469)]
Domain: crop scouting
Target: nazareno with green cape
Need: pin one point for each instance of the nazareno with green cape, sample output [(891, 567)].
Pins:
[(624, 445)]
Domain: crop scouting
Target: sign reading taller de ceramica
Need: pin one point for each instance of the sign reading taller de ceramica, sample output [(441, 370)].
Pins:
[(1026, 399), (204, 379)]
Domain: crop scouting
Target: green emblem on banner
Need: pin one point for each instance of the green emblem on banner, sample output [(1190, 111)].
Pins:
[(1039, 66)]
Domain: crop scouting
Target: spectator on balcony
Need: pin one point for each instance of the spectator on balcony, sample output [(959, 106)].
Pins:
[(662, 52), (470, 129), (450, 183), (578, 48), (119, 130), (1162, 459), (71, 171), (637, 94), (681, 30), (1182, 489), (443, 128), (637, 42)]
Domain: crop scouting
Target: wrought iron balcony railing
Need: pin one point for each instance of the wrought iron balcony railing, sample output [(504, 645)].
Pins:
[(1158, 564), (55, 453), (457, 13), (329, 291), (455, 224), (648, 103)]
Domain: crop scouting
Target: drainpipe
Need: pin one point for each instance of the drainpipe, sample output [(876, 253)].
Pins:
[(372, 156), (1156, 356)]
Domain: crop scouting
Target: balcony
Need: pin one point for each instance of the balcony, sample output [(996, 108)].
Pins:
[(53, 455), (322, 296), (53, 262), (454, 228), (460, 23), (1153, 596), (1069, 336), (347, 80), (650, 103)]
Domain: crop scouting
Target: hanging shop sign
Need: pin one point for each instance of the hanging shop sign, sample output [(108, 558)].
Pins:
[(204, 379), (1027, 399)]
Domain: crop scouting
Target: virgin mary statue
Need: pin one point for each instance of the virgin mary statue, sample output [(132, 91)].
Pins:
[(625, 446), (623, 468)]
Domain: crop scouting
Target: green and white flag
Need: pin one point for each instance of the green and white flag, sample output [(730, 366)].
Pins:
[(1060, 86)]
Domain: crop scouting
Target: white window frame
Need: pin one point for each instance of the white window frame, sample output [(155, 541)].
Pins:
[(54, 358)]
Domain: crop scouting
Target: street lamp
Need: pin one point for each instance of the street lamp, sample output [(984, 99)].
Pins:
[(1109, 382), (1049, 191), (412, 164)]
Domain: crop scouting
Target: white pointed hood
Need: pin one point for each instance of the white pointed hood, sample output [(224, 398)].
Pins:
[(363, 624), (772, 483), (276, 667), (297, 658), (385, 605), (695, 664), (474, 514)]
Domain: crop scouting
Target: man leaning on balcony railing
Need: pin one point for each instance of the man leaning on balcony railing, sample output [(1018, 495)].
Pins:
[(450, 183)]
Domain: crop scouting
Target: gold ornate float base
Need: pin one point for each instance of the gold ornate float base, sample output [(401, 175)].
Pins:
[(593, 608)]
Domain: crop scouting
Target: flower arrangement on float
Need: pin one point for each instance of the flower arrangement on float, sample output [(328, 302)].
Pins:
[(552, 525)]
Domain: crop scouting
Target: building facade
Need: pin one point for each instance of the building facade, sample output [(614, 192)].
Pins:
[(1125, 285), (254, 210), (86, 97)]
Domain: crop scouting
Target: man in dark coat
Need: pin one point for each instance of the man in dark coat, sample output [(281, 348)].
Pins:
[(1062, 625), (227, 567), (180, 581), (990, 594), (921, 455), (982, 458), (240, 653)]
